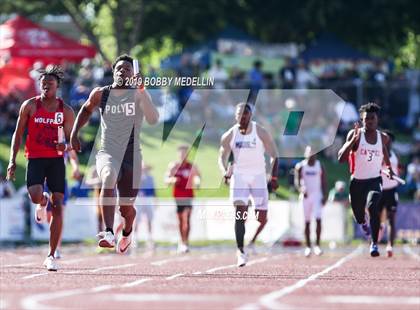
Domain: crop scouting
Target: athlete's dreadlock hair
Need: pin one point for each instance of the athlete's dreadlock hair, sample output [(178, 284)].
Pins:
[(370, 107), (54, 71), (124, 57)]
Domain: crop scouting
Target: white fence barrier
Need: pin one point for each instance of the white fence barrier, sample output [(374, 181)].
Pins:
[(212, 219)]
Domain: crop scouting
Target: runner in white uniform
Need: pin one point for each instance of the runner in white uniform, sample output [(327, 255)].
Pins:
[(365, 149), (248, 142), (310, 180), (389, 199)]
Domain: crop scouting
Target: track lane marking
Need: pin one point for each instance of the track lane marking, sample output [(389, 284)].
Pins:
[(220, 268), (3, 304), (135, 283), (112, 267), (270, 300), (36, 275), (18, 265), (33, 302), (378, 300), (170, 260), (101, 288), (168, 297), (250, 263), (175, 276)]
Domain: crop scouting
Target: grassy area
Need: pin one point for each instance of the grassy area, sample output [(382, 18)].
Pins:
[(159, 155)]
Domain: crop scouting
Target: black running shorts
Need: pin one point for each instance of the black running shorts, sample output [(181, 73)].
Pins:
[(52, 170)]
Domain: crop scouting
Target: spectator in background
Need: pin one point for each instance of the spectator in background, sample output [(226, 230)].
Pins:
[(304, 78), (287, 75), (107, 77), (185, 70), (413, 177), (147, 201), (340, 195), (347, 113), (7, 188), (237, 79), (219, 74), (256, 80), (93, 180), (77, 190), (34, 74), (68, 80), (10, 111), (184, 176)]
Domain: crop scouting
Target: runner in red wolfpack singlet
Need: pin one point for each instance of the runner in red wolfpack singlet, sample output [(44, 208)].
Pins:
[(42, 116)]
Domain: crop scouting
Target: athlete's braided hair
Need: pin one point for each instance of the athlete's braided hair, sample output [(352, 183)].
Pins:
[(370, 107), (54, 71)]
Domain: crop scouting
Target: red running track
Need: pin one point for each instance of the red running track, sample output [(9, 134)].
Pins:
[(207, 278)]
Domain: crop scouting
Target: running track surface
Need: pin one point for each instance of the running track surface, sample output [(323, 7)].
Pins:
[(207, 278)]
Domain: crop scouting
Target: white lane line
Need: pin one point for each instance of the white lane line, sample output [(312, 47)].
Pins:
[(220, 268), (197, 272), (208, 256), (257, 261), (175, 276), (380, 300), (270, 300), (33, 302), (18, 265), (101, 288), (250, 263), (36, 275), (170, 260), (3, 304), (408, 250), (168, 297), (76, 260), (134, 283), (252, 307), (112, 267)]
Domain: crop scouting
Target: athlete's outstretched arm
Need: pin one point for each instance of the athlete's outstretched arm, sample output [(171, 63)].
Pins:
[(224, 153), (17, 138), (74, 162), (271, 149), (150, 112), (84, 115), (352, 142)]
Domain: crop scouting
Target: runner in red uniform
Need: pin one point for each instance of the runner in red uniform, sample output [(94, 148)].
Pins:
[(42, 116), (184, 176)]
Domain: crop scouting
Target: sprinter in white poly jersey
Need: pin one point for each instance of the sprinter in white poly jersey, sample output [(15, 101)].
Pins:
[(248, 142), (389, 199), (365, 149), (311, 182)]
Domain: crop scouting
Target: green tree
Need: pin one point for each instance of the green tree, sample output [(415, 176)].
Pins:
[(377, 26)]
